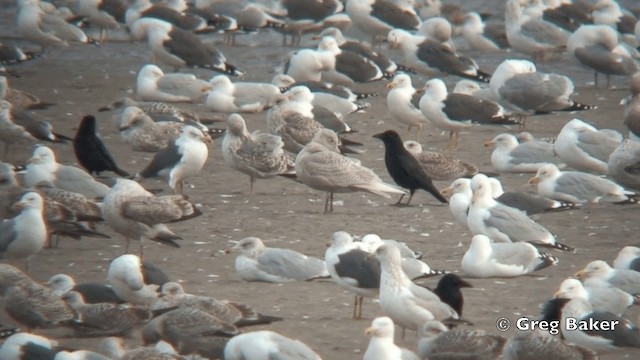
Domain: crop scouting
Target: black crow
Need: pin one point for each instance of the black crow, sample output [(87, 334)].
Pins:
[(91, 152), (448, 290), (404, 168)]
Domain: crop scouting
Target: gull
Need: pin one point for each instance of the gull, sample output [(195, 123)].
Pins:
[(126, 277), (628, 258), (44, 167), (408, 304), (509, 155), (39, 129), (11, 54), (82, 208), (264, 344), (623, 279), (438, 29), (152, 84), (102, 13), (439, 166), (182, 158), (347, 67), (143, 134), (320, 166), (578, 187), (527, 202), (538, 344), (623, 164), (597, 47), (481, 36), (352, 268), (250, 97), (373, 241), (378, 17), (25, 234), (10, 132), (402, 103), (179, 48), (502, 223), (257, 154), (19, 345), (485, 259), (20, 99), (460, 199), (585, 148), (158, 111), (114, 347), (187, 21), (381, 345), (136, 213), (602, 296), (258, 262), (91, 293), (436, 341)]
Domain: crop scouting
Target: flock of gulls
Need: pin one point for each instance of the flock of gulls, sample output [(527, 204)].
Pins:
[(409, 46)]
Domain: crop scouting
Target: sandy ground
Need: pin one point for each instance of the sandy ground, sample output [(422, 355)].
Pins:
[(286, 214)]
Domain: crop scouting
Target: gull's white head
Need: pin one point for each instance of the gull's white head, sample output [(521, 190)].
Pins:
[(381, 327)]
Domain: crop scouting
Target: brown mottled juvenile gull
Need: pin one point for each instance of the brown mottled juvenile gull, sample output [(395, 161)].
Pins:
[(265, 344), (115, 348), (83, 208), (158, 111), (438, 342), (91, 292), (136, 213), (25, 234), (152, 84), (539, 344), (525, 201), (29, 303), (402, 103), (600, 294), (250, 97), (408, 304), (628, 258), (509, 155), (320, 166), (440, 166), (585, 148), (10, 132), (257, 262), (143, 134), (624, 164), (578, 187), (44, 167), (485, 259), (126, 277), (381, 346), (258, 154), (623, 279)]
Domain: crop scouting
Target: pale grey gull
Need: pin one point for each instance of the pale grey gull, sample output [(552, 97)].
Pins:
[(153, 85), (623, 279), (347, 67), (143, 134), (250, 97), (460, 199), (126, 277), (439, 342), (632, 108), (601, 295), (485, 259), (509, 155), (321, 166), (115, 348), (22, 344), (258, 154), (10, 132), (264, 344), (624, 164), (378, 17), (20, 99), (579, 187), (527, 202), (91, 292), (483, 36), (628, 258), (25, 234), (257, 262), (381, 346), (403, 101)]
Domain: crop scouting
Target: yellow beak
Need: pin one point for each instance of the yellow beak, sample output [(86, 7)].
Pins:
[(489, 144), (534, 180), (446, 191), (391, 85)]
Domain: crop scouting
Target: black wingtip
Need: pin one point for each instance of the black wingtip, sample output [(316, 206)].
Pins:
[(360, 96), (557, 246), (576, 106), (547, 260)]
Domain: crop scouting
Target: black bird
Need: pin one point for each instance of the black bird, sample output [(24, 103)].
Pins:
[(404, 168), (448, 290), (91, 152)]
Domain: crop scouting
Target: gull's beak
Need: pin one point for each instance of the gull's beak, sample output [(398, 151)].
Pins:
[(580, 274), (230, 250), (391, 85), (489, 144), (558, 294), (207, 139), (327, 245), (534, 180), (315, 37), (370, 330), (19, 205), (124, 128), (446, 191)]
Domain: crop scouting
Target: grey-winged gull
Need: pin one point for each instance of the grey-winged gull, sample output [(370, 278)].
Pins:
[(483, 36), (437, 341), (601, 295), (10, 132), (597, 47), (532, 35), (29, 303), (180, 48), (578, 187), (250, 97), (44, 167), (460, 199), (91, 292), (136, 213), (308, 64), (624, 164), (403, 101), (439, 29), (523, 89), (347, 67), (509, 155), (632, 108), (126, 277), (408, 304), (257, 262), (502, 223), (485, 259), (525, 201), (613, 332), (381, 346), (628, 258), (115, 348), (40, 129), (321, 166), (105, 14), (183, 158), (439, 166), (25, 234), (23, 343), (152, 84), (610, 13), (378, 17), (187, 21), (352, 268), (143, 134), (453, 111), (263, 344), (20, 99), (585, 148), (431, 57), (373, 241), (11, 55), (623, 279), (257, 154)]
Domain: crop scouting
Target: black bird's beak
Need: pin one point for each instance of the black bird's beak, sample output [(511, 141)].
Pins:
[(378, 136), (465, 284)]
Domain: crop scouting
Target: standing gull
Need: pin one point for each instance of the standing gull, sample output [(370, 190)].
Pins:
[(143, 134), (509, 155), (257, 154), (402, 103), (320, 166), (257, 262), (227, 96), (484, 259), (183, 158), (152, 84), (91, 152), (578, 187), (437, 165), (263, 344), (628, 258), (624, 164), (136, 213), (381, 345)]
